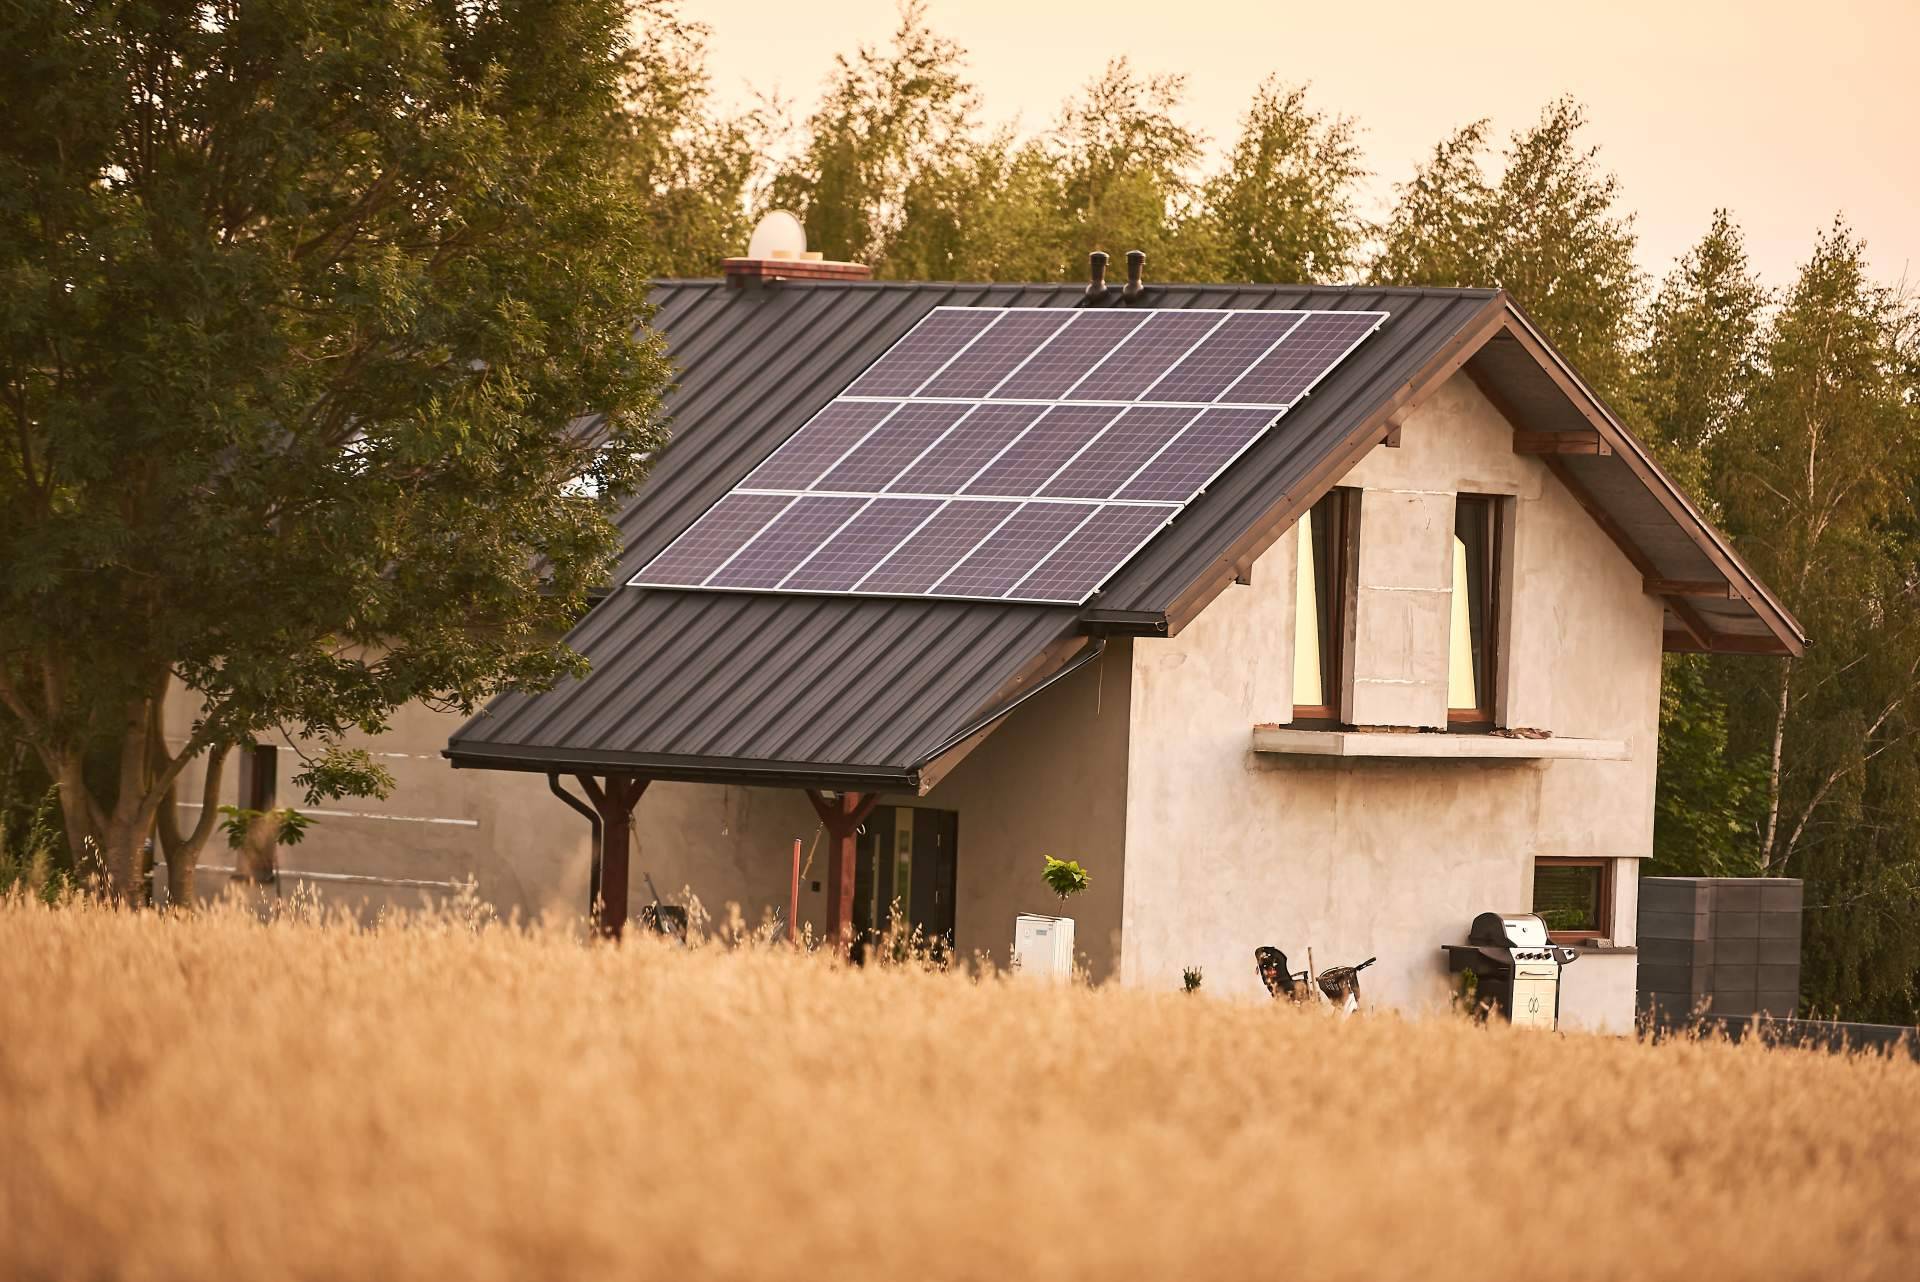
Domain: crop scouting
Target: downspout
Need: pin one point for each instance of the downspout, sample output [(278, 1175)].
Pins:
[(593, 819), (975, 727)]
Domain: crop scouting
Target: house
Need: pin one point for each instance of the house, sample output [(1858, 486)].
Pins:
[(1397, 664)]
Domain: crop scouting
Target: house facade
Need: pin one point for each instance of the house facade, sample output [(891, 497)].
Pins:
[(1398, 664)]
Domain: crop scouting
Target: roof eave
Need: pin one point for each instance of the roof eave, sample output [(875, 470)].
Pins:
[(676, 769), (1500, 314), (1780, 622)]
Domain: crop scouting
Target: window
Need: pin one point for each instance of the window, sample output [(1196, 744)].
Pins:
[(1475, 631), (1320, 608), (1574, 897)]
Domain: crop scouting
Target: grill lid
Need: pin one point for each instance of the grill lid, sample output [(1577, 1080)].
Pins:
[(1508, 930)]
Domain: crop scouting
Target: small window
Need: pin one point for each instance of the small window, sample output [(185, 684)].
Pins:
[(1574, 897), (1475, 630), (1320, 605)]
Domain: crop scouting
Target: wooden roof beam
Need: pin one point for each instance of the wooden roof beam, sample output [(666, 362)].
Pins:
[(1560, 443), (1691, 623), (1705, 589)]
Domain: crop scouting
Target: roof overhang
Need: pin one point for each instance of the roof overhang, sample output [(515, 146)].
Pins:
[(1715, 603), (685, 769)]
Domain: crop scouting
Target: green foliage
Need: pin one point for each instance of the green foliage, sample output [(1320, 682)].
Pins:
[(344, 772), (286, 349), (1802, 430), (889, 114), (288, 826), (1190, 979), (1065, 877), (33, 856), (1124, 167), (1709, 800), (1701, 356), (690, 166), (1284, 206), (1547, 231), (1440, 227), (1817, 487)]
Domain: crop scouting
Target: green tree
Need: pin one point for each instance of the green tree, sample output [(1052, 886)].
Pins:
[(988, 211), (889, 114), (1115, 171), (1440, 230), (1548, 231), (1708, 797), (1816, 481), (690, 165), (296, 300), (1700, 359), (1125, 165), (1284, 205)]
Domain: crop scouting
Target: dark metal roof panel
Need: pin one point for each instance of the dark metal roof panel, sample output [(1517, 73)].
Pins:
[(867, 684)]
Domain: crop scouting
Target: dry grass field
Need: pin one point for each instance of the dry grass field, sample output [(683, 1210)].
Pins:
[(220, 1098)]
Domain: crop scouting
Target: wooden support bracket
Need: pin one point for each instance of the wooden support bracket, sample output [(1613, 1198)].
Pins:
[(1560, 443), (1690, 622), (1706, 589), (615, 802), (842, 816)]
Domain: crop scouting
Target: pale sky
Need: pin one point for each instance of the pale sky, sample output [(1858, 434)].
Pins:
[(1784, 112)]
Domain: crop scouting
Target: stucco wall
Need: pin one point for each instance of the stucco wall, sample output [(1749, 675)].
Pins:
[(1050, 781), (1229, 849)]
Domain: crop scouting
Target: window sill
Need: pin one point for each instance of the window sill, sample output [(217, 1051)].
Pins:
[(1437, 746)]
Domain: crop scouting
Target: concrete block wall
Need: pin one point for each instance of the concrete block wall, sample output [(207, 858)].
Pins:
[(1725, 945)]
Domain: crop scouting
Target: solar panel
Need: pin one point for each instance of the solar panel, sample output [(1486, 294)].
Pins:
[(1009, 454)]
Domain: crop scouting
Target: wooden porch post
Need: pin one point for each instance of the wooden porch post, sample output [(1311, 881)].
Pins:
[(615, 803), (842, 817)]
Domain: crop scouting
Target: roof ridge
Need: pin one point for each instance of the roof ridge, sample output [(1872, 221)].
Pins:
[(947, 286)]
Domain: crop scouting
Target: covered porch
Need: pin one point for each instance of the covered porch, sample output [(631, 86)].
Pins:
[(955, 827)]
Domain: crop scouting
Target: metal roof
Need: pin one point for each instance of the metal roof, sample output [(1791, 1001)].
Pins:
[(840, 691)]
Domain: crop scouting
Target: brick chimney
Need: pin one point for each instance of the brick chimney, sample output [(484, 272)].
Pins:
[(745, 272)]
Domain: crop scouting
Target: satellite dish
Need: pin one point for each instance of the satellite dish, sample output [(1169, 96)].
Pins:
[(778, 235)]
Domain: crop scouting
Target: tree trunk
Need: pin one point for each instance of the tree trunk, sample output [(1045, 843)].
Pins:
[(122, 856), (180, 870), (182, 850), (77, 817), (1773, 769)]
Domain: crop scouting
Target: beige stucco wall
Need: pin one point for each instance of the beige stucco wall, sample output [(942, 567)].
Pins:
[(1050, 781), (1228, 849)]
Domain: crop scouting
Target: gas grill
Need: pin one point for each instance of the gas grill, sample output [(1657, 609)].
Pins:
[(1518, 967)]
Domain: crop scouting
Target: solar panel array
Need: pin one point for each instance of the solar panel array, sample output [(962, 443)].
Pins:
[(1009, 453)]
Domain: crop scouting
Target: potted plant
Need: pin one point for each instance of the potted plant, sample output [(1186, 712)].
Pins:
[(1043, 945), (1065, 877)]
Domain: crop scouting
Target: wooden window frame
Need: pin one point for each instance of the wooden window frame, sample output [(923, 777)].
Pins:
[(1335, 598), (1479, 720), (1605, 923)]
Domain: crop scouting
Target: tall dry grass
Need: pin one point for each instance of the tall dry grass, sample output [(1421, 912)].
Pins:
[(218, 1098)]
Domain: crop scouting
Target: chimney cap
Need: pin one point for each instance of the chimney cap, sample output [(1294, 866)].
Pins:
[(1135, 289), (750, 271), (1098, 291)]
